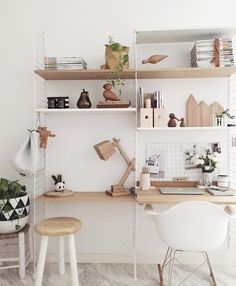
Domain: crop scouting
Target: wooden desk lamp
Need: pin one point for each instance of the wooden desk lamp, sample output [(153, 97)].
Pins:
[(105, 150)]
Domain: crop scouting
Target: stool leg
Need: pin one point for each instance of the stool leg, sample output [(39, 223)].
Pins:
[(41, 260), (73, 261), (22, 255), (30, 244), (61, 258)]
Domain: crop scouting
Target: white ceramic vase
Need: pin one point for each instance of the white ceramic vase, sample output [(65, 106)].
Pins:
[(145, 182), (207, 179)]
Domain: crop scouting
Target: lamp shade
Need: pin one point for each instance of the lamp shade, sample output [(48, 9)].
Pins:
[(105, 149)]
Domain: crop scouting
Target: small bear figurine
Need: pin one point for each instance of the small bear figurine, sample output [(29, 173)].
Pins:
[(59, 184)]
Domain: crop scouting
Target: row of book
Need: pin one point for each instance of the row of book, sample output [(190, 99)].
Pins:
[(64, 63), (213, 53), (153, 100)]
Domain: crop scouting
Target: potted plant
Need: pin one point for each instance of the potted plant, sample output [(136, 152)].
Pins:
[(220, 119), (207, 162), (14, 206), (117, 59)]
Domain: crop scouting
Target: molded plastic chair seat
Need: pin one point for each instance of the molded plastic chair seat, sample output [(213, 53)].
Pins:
[(58, 226)]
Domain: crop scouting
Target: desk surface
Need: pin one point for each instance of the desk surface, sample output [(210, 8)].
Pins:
[(154, 196)]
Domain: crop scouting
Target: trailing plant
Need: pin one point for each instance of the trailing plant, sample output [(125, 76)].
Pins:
[(123, 58), (226, 113)]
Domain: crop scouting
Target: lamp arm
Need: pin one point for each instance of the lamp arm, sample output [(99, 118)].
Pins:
[(130, 168), (121, 150)]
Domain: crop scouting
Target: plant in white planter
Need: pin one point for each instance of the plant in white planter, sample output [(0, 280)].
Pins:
[(14, 206)]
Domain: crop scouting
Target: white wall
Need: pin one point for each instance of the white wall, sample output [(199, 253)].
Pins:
[(81, 28)]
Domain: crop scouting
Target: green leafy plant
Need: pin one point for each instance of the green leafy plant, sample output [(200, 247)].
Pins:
[(11, 189), (123, 58), (226, 113)]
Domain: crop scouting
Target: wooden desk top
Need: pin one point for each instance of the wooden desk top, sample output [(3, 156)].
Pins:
[(155, 197)]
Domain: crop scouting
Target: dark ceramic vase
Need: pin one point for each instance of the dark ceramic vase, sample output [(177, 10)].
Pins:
[(84, 101)]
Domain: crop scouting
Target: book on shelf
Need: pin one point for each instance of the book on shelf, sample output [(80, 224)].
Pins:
[(114, 104), (64, 63), (213, 53)]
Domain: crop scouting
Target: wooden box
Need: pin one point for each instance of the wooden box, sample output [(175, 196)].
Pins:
[(146, 117), (159, 117)]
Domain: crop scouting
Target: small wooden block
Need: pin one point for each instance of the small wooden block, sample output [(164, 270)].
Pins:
[(191, 111), (52, 193)]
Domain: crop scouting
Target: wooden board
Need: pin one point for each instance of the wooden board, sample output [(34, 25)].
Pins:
[(191, 112), (216, 108), (205, 114), (155, 197), (55, 194), (80, 197)]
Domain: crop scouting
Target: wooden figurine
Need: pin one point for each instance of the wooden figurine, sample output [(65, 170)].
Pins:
[(182, 123), (44, 134), (108, 94), (154, 59), (172, 120)]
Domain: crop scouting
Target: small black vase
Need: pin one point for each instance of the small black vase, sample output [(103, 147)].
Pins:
[(84, 101)]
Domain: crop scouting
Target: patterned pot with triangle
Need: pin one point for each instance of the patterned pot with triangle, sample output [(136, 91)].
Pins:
[(14, 214)]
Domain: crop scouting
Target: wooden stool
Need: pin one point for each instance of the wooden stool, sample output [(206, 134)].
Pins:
[(23, 258), (60, 227)]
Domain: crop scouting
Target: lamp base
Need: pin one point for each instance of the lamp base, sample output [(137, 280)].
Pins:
[(118, 191)]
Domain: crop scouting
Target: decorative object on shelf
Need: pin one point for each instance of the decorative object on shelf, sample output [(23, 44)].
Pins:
[(145, 181), (154, 59), (116, 56), (220, 119), (172, 120), (59, 102), (14, 206), (201, 114), (108, 94), (53, 194), (223, 181), (44, 134), (117, 59), (113, 104), (26, 159), (59, 184), (64, 63), (207, 162), (182, 123), (84, 101), (105, 150)]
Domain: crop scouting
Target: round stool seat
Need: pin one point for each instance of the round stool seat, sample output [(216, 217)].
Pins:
[(58, 226)]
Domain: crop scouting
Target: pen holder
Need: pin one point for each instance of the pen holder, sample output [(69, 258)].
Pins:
[(145, 182), (159, 117)]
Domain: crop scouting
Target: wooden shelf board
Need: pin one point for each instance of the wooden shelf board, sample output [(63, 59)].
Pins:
[(86, 111), (183, 129), (183, 35), (185, 72), (79, 197), (81, 74), (141, 73), (154, 196)]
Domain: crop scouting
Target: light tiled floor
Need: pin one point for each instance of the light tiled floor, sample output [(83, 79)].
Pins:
[(120, 275)]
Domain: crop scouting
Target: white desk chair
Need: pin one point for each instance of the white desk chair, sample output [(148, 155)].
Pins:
[(192, 226)]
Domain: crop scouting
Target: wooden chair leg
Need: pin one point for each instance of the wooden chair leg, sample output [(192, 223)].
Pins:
[(160, 274), (211, 270)]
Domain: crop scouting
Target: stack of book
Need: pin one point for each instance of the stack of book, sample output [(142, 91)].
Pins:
[(226, 56), (113, 104), (62, 63), (212, 53), (203, 53)]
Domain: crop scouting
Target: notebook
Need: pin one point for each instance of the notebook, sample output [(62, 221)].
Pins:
[(181, 191), (215, 192)]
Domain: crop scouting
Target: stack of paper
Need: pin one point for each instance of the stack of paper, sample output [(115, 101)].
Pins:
[(65, 63), (203, 53)]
